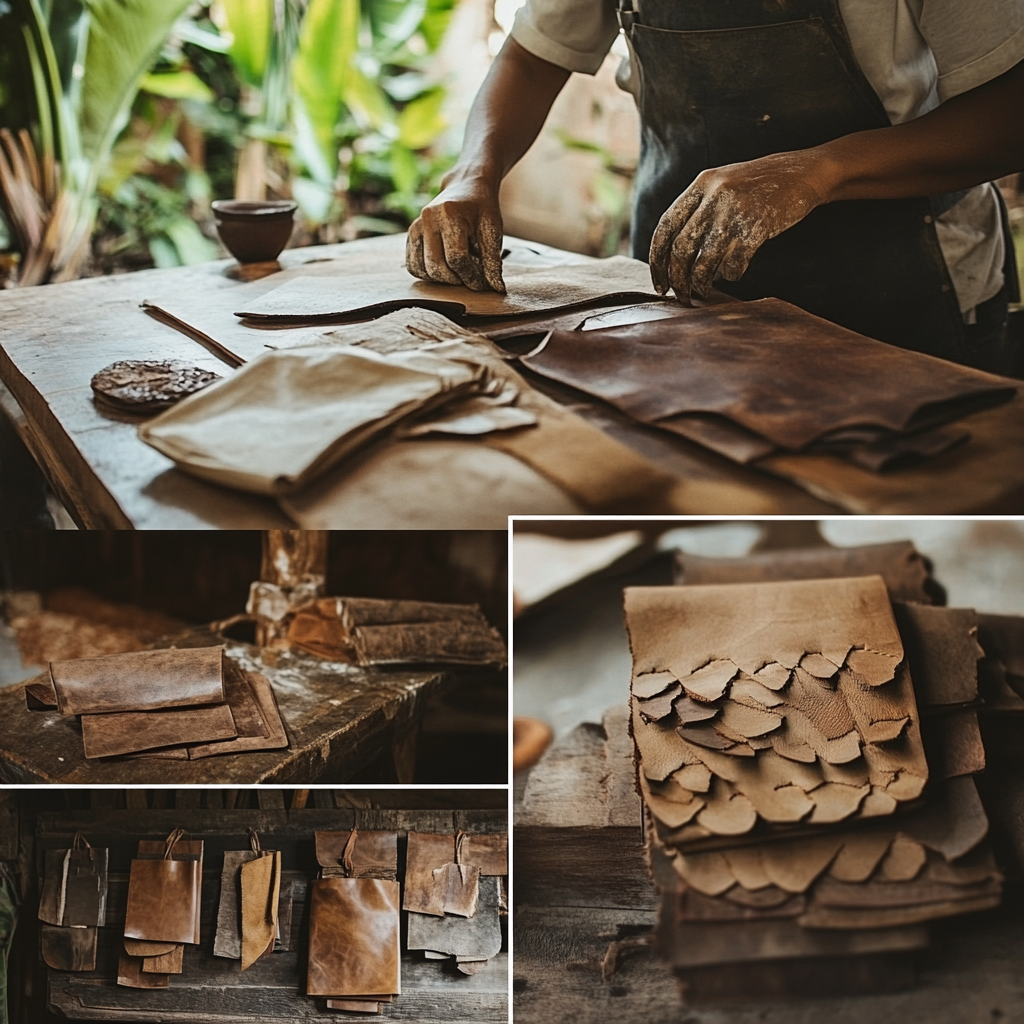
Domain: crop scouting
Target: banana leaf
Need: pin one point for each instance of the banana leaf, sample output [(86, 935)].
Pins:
[(251, 23)]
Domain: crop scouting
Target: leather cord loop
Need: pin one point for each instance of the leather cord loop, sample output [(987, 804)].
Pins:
[(80, 842), (346, 856), (170, 841)]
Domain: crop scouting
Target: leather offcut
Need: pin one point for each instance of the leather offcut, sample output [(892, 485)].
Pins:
[(130, 974), (475, 938), (127, 732), (68, 949), (261, 888), (228, 939), (372, 854)]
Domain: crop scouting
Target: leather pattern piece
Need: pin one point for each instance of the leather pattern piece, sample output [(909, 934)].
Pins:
[(129, 732), (162, 900), (139, 681), (268, 733), (373, 854), (354, 947), (148, 950), (261, 888), (68, 949), (228, 939), (166, 963), (770, 367), (906, 572), (131, 975), (186, 851), (426, 852), (74, 889), (476, 938)]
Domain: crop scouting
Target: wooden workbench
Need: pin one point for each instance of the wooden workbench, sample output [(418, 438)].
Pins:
[(54, 338), (341, 721), (213, 989)]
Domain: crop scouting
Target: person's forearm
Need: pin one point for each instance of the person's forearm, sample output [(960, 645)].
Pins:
[(507, 114), (972, 138)]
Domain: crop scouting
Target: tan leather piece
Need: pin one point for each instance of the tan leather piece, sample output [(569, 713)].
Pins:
[(943, 649), (353, 937), (128, 732), (457, 889), (476, 938), (426, 852), (373, 854), (168, 963), (261, 888), (131, 975), (68, 949), (142, 948), (906, 572), (184, 849), (162, 896), (271, 731), (138, 681), (228, 939), (355, 1005), (40, 694), (487, 851)]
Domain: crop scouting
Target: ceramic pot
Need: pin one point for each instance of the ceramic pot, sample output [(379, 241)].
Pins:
[(254, 232)]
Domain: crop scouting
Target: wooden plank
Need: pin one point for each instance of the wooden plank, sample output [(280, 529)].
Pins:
[(338, 720)]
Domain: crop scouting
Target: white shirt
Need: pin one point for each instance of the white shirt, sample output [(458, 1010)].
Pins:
[(915, 54)]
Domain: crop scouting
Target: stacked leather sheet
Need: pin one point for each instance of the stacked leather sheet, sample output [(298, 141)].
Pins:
[(164, 896), (806, 799), (368, 631), (354, 943), (760, 378), (455, 896), (73, 904), (181, 704)]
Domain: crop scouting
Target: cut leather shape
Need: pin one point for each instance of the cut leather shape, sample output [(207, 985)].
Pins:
[(477, 937), (148, 950), (355, 1005), (426, 853), (265, 733), (131, 975), (943, 650), (307, 299), (487, 851), (162, 900), (40, 695), (185, 886), (68, 949), (353, 937), (261, 888), (228, 939), (167, 963), (457, 887), (372, 854), (954, 744), (736, 362), (74, 889), (127, 732), (139, 681)]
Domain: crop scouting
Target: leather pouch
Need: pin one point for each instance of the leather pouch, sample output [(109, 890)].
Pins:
[(163, 897), (353, 937), (68, 949), (357, 854), (139, 681), (261, 890)]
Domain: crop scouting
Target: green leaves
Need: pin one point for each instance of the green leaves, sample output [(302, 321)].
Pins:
[(250, 22), (177, 85), (421, 121)]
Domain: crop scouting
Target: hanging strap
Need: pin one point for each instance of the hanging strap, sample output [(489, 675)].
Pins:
[(460, 838), (80, 842), (346, 856), (627, 16), (254, 842), (170, 842)]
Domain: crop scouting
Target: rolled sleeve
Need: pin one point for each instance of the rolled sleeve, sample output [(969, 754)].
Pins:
[(572, 34)]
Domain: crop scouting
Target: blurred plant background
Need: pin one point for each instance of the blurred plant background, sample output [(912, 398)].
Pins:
[(123, 119)]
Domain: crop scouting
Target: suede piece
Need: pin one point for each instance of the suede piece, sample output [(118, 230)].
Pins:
[(139, 681), (131, 975), (68, 949), (373, 854), (477, 937), (354, 947), (166, 963), (129, 732), (228, 939), (457, 889), (943, 651), (261, 887), (782, 373), (425, 853), (163, 897)]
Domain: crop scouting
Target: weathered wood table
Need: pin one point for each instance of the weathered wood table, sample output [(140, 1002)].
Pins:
[(54, 338), (341, 721), (213, 989)]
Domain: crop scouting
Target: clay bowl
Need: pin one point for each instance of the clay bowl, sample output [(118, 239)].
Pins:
[(254, 232)]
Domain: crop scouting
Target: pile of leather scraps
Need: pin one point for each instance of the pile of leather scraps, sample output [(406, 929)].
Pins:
[(806, 752), (73, 905), (354, 912), (760, 378), (455, 896), (164, 897), (370, 631), (167, 703)]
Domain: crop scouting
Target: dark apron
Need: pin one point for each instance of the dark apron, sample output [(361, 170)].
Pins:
[(723, 81)]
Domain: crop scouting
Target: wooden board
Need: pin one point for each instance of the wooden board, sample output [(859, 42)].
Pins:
[(338, 722), (213, 989)]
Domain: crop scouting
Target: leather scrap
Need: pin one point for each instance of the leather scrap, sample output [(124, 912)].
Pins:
[(131, 975), (477, 937), (426, 852), (228, 939), (128, 732), (372, 854), (166, 963), (943, 650), (68, 949), (261, 887)]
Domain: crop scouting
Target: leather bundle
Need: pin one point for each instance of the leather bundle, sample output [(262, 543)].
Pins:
[(369, 631), (248, 917), (354, 944), (183, 704), (454, 895), (752, 379), (73, 904), (799, 885), (164, 896)]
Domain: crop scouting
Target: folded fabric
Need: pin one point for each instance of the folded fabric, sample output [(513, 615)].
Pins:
[(139, 681), (309, 299), (370, 631), (907, 573), (288, 416), (767, 376), (354, 947)]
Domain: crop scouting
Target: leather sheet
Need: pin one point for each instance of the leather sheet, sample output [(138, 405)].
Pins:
[(475, 938), (257, 717), (162, 900), (127, 732), (190, 850), (354, 947), (74, 889), (130, 974), (775, 370), (943, 649), (68, 949), (261, 890), (139, 681), (371, 854), (228, 939)]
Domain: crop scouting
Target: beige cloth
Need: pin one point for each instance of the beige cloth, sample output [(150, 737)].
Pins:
[(290, 415)]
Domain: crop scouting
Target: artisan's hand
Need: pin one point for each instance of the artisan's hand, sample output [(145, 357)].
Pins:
[(457, 238), (714, 228)]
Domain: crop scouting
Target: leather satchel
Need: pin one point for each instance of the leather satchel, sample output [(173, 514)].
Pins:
[(164, 895), (354, 944)]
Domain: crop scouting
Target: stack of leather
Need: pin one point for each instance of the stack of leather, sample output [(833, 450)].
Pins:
[(164, 896), (783, 755), (354, 944), (455, 896), (180, 704), (368, 631), (249, 925), (73, 904)]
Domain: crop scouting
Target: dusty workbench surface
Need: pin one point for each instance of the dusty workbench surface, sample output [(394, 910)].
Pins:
[(341, 720), (54, 338)]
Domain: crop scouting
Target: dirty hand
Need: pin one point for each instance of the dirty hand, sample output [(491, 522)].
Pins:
[(714, 228), (457, 238)]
